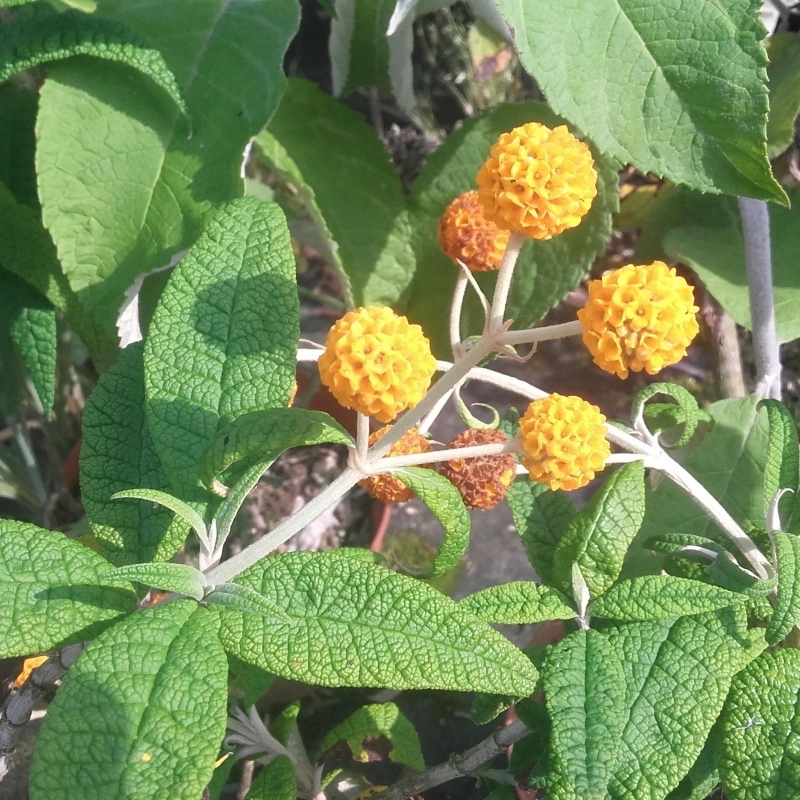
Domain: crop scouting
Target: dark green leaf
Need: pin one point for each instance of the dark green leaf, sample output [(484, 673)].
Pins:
[(784, 91), (686, 408), (518, 603), (704, 774), (783, 461), (787, 602), (276, 781), (18, 107)]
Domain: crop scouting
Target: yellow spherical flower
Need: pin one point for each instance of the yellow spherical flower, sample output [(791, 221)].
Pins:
[(377, 363), (563, 441), (466, 235), (639, 318), (385, 487), (537, 181)]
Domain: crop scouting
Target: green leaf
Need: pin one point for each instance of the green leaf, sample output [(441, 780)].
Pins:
[(244, 599), (346, 180), (375, 732), (255, 436), (783, 461), (760, 730), (18, 107), (276, 781), (34, 39), (726, 571), (678, 674), (546, 271), (585, 690), (693, 103), (358, 624), (704, 774), (359, 46), (787, 603), (180, 578), (51, 591), (687, 412), (541, 516), (147, 704), (445, 501), (656, 597), (597, 539), (223, 338), (784, 91), (118, 452), (518, 603)]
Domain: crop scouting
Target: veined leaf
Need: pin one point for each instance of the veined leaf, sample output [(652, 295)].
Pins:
[(118, 453), (787, 602), (223, 338), (52, 592), (687, 412), (180, 578), (693, 105), (704, 774), (244, 599), (378, 730), (784, 91), (276, 781), (147, 702), (445, 501), (783, 461), (585, 689), (358, 624), (518, 603)]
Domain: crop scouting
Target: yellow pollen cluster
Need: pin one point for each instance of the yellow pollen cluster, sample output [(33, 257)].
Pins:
[(563, 441), (377, 363), (537, 181), (466, 235), (482, 481), (385, 487), (639, 318)]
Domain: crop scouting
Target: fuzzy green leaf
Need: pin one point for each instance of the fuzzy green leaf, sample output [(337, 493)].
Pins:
[(597, 539), (784, 91), (693, 103), (445, 501), (783, 461), (687, 412), (147, 703), (276, 781), (585, 689), (375, 732), (52, 592), (787, 603), (541, 516), (704, 774), (358, 624), (118, 453), (655, 597), (518, 603), (246, 600), (180, 578), (223, 338)]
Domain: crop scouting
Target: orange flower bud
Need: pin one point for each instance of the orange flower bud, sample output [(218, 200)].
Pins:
[(385, 487)]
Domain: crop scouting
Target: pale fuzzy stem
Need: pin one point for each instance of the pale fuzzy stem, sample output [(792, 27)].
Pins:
[(455, 313), (503, 285), (362, 436), (396, 462), (545, 334), (433, 414)]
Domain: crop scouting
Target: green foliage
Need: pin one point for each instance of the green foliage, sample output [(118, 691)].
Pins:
[(787, 602), (52, 591), (692, 105), (244, 599), (704, 774), (18, 107), (518, 603), (783, 462), (145, 705), (377, 731), (684, 409), (358, 624), (180, 578), (276, 781), (223, 338), (784, 91)]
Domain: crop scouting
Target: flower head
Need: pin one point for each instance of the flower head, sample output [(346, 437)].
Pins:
[(376, 362), (385, 487), (639, 317), (482, 481), (563, 441), (537, 181), (466, 235)]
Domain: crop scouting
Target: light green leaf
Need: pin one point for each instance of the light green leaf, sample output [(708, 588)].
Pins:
[(445, 501), (787, 603), (704, 774), (181, 509), (518, 603), (18, 107), (358, 624), (376, 731), (760, 730), (546, 271), (50, 591), (692, 106), (147, 703), (251, 437), (223, 338), (346, 180), (687, 412), (541, 516), (597, 539), (784, 91), (783, 461), (276, 781), (117, 453), (244, 599), (180, 578), (585, 690), (655, 597), (678, 674)]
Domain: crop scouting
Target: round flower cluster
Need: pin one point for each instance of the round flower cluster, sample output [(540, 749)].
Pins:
[(537, 181), (639, 317), (563, 441), (466, 235), (482, 481), (377, 363), (385, 487)]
